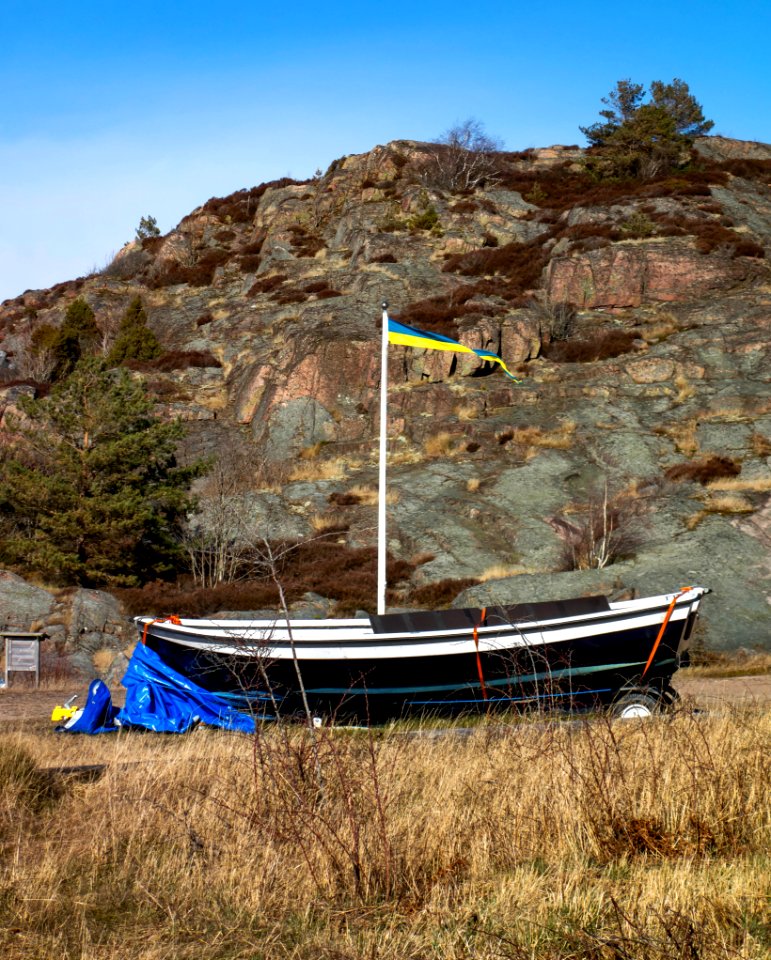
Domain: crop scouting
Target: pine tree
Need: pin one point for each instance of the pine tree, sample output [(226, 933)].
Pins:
[(90, 487), (136, 341), (679, 103), (148, 228), (643, 139), (621, 105), (78, 336)]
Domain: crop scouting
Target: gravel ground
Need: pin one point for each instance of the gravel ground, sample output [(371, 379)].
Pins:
[(20, 707)]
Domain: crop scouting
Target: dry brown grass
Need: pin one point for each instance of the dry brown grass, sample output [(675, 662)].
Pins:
[(685, 389), (737, 414), (499, 571), (683, 435), (441, 444), (561, 438), (709, 468), (323, 523), (761, 445), (313, 470), (467, 411), (367, 494), (741, 411), (727, 504), (686, 439), (311, 452), (724, 496), (405, 454), (742, 485), (740, 663), (660, 327), (418, 559), (638, 840)]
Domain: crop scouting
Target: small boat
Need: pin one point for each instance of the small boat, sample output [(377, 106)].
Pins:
[(571, 654)]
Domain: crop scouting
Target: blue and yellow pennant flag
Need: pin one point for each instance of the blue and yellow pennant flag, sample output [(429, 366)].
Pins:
[(412, 337)]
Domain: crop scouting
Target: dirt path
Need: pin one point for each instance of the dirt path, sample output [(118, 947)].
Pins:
[(24, 705), (708, 693)]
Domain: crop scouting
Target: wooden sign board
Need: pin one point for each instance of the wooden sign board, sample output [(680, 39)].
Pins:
[(22, 655)]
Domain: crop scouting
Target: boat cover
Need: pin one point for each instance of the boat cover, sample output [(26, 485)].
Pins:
[(98, 714), (466, 618), (157, 698)]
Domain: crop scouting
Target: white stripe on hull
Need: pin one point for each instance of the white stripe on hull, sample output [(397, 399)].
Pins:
[(342, 639)]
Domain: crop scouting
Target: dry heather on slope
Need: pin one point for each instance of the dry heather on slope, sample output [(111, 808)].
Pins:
[(633, 840)]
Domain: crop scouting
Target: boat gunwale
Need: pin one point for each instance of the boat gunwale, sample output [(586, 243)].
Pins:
[(228, 628), (365, 646)]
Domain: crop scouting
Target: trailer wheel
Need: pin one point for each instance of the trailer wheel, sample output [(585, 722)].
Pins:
[(636, 704)]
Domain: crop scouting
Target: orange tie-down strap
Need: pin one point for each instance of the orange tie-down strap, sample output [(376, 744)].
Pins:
[(172, 619), (479, 659), (667, 617)]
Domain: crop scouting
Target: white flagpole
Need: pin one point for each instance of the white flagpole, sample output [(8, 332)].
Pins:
[(382, 542)]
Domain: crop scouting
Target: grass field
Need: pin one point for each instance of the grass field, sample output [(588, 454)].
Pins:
[(752, 663), (625, 840)]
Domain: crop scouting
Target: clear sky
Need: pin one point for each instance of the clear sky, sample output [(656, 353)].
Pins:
[(114, 111)]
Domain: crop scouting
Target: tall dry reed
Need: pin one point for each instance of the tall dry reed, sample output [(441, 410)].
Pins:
[(537, 839)]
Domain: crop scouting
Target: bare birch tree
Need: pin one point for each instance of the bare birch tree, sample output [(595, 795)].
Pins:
[(221, 534), (35, 356), (462, 159)]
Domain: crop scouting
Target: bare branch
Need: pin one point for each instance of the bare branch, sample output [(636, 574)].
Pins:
[(462, 159)]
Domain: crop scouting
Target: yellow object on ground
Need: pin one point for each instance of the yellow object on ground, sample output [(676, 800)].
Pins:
[(60, 714)]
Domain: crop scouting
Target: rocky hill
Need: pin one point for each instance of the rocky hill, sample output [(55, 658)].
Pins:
[(637, 314)]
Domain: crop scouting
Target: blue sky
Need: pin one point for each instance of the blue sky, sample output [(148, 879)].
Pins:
[(110, 112)]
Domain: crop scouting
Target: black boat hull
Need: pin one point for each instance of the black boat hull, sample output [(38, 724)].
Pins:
[(526, 670)]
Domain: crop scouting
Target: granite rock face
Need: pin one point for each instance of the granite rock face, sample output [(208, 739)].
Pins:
[(22, 606), (637, 272), (87, 628), (276, 291)]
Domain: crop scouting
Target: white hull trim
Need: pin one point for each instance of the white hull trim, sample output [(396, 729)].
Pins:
[(342, 639)]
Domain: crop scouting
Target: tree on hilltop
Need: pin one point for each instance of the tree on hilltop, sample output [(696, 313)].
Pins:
[(677, 100), (621, 105), (462, 159), (639, 138), (148, 228), (90, 489)]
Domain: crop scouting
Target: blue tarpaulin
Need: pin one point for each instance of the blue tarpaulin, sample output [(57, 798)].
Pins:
[(98, 714), (157, 698)]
